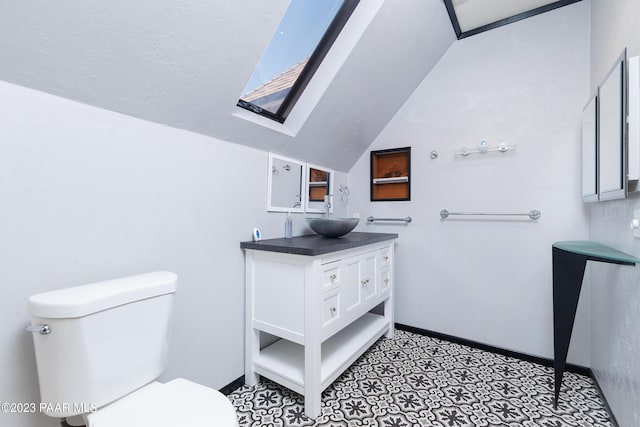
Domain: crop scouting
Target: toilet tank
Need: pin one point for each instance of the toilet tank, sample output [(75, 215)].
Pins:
[(106, 340)]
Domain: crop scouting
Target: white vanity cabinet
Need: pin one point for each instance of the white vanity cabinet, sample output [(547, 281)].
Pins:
[(309, 316)]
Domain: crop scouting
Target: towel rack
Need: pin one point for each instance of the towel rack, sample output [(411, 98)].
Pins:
[(372, 219), (532, 214)]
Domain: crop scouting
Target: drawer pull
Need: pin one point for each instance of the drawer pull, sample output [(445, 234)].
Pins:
[(333, 277)]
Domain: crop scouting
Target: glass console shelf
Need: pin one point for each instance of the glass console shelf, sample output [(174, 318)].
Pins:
[(569, 262), (596, 251)]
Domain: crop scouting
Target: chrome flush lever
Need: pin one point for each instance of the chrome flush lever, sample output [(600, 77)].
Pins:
[(42, 329)]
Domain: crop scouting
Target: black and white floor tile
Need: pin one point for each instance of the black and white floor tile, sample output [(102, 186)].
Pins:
[(414, 381)]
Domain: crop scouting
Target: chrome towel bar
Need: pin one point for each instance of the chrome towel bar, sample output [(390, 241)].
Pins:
[(533, 214), (407, 219)]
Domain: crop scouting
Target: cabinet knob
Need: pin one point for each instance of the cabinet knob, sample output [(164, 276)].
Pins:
[(386, 280), (333, 277), (332, 310), (386, 258), (364, 281)]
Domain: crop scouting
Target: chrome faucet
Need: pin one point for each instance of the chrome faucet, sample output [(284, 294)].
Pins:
[(327, 204)]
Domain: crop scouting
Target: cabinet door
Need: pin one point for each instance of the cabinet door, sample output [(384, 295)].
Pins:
[(369, 280), (351, 286)]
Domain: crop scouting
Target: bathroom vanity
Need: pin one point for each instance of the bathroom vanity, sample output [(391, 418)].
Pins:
[(313, 306)]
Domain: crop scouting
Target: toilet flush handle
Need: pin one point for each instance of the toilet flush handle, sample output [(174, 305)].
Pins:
[(43, 329)]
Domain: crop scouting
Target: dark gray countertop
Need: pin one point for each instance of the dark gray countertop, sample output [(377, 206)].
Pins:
[(315, 244)]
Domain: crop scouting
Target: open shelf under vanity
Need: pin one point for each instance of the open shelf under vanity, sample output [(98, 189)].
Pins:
[(283, 361)]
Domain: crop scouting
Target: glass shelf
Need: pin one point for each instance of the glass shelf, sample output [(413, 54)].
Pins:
[(596, 250), (391, 180)]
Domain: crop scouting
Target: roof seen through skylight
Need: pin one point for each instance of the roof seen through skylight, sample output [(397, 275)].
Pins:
[(292, 47)]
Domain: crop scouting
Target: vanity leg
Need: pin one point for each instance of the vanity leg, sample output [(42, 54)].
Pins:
[(312, 343), (252, 335), (388, 315), (312, 390), (568, 272), (251, 353)]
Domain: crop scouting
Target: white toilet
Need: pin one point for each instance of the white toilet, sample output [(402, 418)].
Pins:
[(99, 349)]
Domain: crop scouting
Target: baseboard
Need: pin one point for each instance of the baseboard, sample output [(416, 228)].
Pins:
[(614, 421), (232, 386), (577, 369), (570, 367)]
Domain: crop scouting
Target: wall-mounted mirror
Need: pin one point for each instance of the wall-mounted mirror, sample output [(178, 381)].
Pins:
[(319, 184), (589, 152), (285, 184), (612, 113)]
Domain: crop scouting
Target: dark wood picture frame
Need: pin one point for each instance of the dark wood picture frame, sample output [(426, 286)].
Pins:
[(391, 175)]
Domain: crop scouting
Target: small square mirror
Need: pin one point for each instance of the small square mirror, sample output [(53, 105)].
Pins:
[(319, 185), (285, 184)]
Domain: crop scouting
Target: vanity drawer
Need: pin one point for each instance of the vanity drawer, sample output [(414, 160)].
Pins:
[(385, 282), (330, 309), (384, 257), (330, 276)]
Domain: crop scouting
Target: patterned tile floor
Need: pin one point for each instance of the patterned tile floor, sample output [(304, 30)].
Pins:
[(412, 380)]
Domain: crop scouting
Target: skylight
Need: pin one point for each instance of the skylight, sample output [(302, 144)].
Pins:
[(300, 43), (471, 17)]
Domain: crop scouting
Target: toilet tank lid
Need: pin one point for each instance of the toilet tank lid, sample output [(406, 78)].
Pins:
[(82, 300)]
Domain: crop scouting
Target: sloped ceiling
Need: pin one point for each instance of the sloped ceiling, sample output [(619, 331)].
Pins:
[(184, 64)]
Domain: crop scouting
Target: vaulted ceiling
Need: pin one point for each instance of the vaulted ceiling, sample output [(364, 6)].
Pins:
[(184, 63)]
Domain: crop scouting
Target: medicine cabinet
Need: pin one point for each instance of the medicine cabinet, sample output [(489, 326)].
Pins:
[(295, 186), (612, 114), (590, 152), (605, 143), (285, 179), (319, 185)]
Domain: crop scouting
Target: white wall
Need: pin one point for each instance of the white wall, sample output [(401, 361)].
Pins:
[(490, 280), (89, 195), (615, 297)]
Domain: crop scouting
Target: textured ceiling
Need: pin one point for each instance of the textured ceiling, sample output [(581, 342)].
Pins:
[(184, 64)]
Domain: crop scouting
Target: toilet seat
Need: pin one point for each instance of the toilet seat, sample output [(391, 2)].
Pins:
[(175, 403)]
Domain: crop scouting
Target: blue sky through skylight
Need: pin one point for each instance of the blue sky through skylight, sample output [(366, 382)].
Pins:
[(303, 25)]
